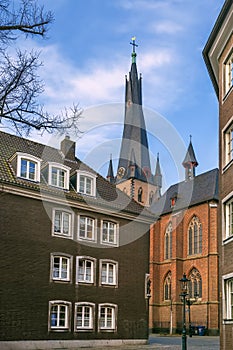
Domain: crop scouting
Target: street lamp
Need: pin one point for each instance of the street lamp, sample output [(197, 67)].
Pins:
[(184, 292), (189, 303)]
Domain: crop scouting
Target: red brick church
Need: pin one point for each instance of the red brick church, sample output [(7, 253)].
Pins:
[(183, 238)]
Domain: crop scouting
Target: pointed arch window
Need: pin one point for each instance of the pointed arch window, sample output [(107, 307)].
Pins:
[(195, 236), (167, 287), (140, 191), (195, 284), (168, 242), (151, 196)]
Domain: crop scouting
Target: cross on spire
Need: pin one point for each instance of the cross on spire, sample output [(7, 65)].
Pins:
[(134, 52), (133, 43)]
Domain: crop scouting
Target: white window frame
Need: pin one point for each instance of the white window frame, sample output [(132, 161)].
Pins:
[(92, 178), (107, 241), (227, 290), (228, 73), (227, 135), (59, 167), (70, 218), (58, 326), (29, 158), (106, 327), (94, 228), (85, 280), (62, 257), (228, 218), (84, 327), (109, 264)]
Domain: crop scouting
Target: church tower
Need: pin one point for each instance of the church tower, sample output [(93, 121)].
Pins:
[(190, 162), (134, 175)]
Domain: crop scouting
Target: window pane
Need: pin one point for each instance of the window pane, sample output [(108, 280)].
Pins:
[(32, 170), (23, 171), (104, 273), (54, 176), (88, 185), (57, 222), (56, 266), (82, 184), (66, 222)]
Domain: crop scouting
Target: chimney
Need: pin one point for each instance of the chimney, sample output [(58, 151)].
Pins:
[(68, 148)]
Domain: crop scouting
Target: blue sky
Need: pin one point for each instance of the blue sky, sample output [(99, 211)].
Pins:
[(86, 58)]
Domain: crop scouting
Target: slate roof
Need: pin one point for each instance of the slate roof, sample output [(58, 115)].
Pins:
[(201, 188), (107, 195)]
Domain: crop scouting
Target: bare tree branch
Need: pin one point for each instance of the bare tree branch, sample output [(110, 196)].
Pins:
[(20, 86)]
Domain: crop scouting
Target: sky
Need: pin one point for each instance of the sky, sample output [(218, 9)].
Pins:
[(87, 55)]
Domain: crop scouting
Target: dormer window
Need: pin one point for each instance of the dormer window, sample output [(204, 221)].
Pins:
[(59, 175), (173, 200), (28, 167), (86, 183)]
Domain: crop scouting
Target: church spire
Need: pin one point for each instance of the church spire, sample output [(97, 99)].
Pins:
[(190, 162), (134, 133)]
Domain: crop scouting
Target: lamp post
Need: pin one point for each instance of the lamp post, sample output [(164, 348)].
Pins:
[(184, 292), (189, 303)]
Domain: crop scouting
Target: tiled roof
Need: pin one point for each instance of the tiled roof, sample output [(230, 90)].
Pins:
[(201, 188), (107, 195)]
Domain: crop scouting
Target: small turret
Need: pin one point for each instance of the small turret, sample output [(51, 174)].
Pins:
[(158, 179), (110, 175), (190, 162)]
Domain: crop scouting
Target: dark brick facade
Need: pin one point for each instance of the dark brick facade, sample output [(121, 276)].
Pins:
[(27, 243)]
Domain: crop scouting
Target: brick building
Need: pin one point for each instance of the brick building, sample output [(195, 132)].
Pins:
[(218, 55), (184, 240), (70, 242)]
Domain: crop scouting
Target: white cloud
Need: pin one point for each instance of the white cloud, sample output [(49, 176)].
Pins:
[(167, 27)]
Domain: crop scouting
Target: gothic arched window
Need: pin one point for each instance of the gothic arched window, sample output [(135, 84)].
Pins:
[(168, 242), (195, 284), (195, 236), (167, 287), (140, 194), (151, 196)]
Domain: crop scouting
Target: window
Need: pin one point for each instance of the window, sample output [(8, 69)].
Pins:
[(108, 272), (86, 183), (140, 191), (59, 315), (109, 232), (62, 223), (168, 242), (229, 218), (59, 175), (228, 293), (151, 197), (228, 144), (229, 73), (85, 269), (167, 287), (84, 316), (107, 317), (86, 228), (195, 236), (28, 167), (195, 284), (60, 267)]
